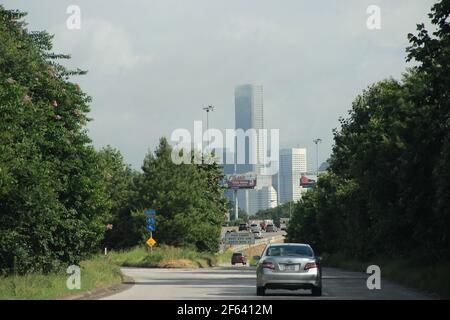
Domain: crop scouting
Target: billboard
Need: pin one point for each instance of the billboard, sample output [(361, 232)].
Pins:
[(241, 181), (306, 182)]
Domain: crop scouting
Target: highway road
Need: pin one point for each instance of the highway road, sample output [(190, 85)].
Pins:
[(238, 282)]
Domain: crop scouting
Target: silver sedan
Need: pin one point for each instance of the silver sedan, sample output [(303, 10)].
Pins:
[(288, 266)]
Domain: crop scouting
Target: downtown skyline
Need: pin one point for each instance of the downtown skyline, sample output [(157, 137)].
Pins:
[(312, 58)]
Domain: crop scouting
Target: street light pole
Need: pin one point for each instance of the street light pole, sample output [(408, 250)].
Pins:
[(207, 109), (236, 205), (317, 141)]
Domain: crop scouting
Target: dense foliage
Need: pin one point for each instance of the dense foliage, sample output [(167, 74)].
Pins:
[(53, 203), (58, 194), (188, 199), (387, 189), (120, 180)]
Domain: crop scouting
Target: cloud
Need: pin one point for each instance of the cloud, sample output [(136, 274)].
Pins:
[(100, 45), (153, 64), (259, 30)]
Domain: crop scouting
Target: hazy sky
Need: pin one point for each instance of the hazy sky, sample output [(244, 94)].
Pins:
[(154, 64)]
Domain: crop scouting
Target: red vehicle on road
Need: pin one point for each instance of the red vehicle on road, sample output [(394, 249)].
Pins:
[(238, 257)]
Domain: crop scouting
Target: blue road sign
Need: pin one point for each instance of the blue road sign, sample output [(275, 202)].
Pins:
[(150, 224), (150, 219)]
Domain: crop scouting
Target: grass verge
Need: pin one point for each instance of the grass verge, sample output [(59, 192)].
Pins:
[(432, 278), (95, 273), (164, 257), (225, 257), (101, 271)]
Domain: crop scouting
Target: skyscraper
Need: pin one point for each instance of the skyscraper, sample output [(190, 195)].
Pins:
[(292, 165), (249, 114)]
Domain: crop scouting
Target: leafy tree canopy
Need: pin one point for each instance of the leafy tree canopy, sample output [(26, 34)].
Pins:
[(53, 202)]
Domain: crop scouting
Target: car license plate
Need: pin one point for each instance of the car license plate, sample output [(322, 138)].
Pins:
[(289, 267)]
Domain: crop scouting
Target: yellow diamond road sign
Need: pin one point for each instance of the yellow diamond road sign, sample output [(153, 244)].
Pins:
[(151, 242)]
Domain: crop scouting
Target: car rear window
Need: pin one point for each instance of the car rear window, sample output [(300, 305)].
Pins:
[(289, 251), (237, 254)]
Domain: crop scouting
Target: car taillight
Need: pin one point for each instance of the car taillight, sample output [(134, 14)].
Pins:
[(268, 265), (311, 265)]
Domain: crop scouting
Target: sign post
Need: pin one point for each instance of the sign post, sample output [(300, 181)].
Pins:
[(239, 181), (150, 219)]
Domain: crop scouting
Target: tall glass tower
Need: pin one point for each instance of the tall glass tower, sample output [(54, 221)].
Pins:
[(249, 115), (248, 111)]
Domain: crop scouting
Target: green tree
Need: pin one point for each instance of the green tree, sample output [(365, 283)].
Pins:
[(53, 202), (303, 226), (432, 53), (188, 199), (387, 190), (120, 183)]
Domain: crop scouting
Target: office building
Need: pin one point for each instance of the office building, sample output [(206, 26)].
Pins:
[(249, 114), (291, 167)]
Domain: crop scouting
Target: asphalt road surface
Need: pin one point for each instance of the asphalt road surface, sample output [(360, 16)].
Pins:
[(238, 283)]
